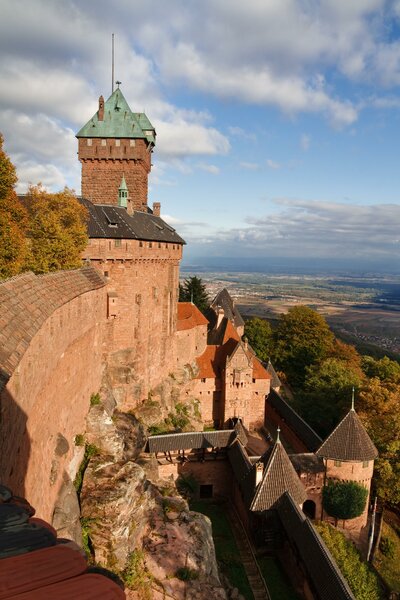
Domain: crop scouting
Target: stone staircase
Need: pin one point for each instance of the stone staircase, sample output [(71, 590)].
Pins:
[(256, 580)]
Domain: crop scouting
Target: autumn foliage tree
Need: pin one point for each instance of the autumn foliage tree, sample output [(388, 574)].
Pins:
[(303, 338), (57, 230), (13, 221)]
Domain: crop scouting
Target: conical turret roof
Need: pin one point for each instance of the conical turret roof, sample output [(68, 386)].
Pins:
[(349, 441), (279, 477), (118, 122)]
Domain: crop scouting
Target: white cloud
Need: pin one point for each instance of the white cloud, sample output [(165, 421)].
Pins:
[(272, 164), (213, 169), (305, 142), (251, 166)]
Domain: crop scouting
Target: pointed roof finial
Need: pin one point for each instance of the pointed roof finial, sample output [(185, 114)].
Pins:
[(278, 439), (352, 399), (118, 83)]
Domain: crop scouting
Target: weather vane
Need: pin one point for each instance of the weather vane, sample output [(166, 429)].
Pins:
[(118, 83)]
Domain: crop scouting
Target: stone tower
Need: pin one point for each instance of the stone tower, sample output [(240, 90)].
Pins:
[(115, 144), (349, 455)]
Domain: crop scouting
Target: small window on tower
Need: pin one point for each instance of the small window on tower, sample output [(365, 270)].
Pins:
[(117, 142), (132, 143), (117, 243), (89, 141)]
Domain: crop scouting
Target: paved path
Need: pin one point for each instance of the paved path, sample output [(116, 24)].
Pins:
[(256, 581)]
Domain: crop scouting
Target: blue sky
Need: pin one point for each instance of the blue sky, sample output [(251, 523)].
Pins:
[(278, 121)]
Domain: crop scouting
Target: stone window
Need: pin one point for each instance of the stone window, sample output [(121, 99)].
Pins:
[(337, 463), (365, 464), (117, 142), (159, 244), (117, 243), (89, 141), (104, 142), (140, 244), (150, 245), (203, 380), (132, 143)]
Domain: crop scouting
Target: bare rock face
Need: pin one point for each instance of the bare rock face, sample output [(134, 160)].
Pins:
[(66, 513), (116, 503)]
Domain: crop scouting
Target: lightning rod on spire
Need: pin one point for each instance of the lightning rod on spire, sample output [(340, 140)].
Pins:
[(112, 63)]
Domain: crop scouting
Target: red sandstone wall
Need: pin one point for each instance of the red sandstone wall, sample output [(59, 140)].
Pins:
[(352, 471), (104, 165), (143, 279), (49, 394), (190, 343), (243, 397), (217, 473)]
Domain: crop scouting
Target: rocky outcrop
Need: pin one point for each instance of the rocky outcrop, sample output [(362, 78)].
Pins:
[(141, 530)]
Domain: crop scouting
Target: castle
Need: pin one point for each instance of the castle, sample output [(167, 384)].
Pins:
[(118, 321)]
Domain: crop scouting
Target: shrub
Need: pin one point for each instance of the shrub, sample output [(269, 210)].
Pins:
[(95, 399), (79, 439), (344, 499)]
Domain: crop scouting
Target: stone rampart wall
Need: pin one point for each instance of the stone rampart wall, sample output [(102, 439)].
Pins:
[(51, 361)]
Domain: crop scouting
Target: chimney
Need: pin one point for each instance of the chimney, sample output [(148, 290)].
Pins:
[(259, 472), (246, 344), (129, 208), (156, 209), (100, 112)]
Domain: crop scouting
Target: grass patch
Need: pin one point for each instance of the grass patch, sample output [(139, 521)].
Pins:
[(388, 565), (95, 399), (136, 576), (226, 549), (362, 580), (276, 580), (90, 451)]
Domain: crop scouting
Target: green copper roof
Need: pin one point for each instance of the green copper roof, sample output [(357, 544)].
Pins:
[(119, 122)]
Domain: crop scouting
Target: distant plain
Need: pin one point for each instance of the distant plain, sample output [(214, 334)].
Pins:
[(363, 309)]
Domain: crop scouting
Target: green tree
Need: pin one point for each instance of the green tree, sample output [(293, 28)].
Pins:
[(13, 221), (344, 499), (259, 333), (385, 369), (194, 290), (302, 338), (57, 230), (378, 406), (326, 394), (362, 581)]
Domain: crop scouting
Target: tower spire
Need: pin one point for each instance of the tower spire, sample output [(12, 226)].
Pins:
[(352, 399), (278, 439)]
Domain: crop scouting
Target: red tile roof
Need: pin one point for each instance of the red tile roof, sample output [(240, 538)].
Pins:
[(189, 316), (213, 359)]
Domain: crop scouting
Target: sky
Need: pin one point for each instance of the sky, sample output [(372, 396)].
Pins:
[(278, 121)]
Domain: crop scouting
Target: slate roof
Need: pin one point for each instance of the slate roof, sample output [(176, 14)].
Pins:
[(224, 300), (323, 572), (118, 122), (190, 440), (349, 441), (27, 300), (114, 222), (275, 381), (189, 316), (302, 429), (279, 477), (307, 462)]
